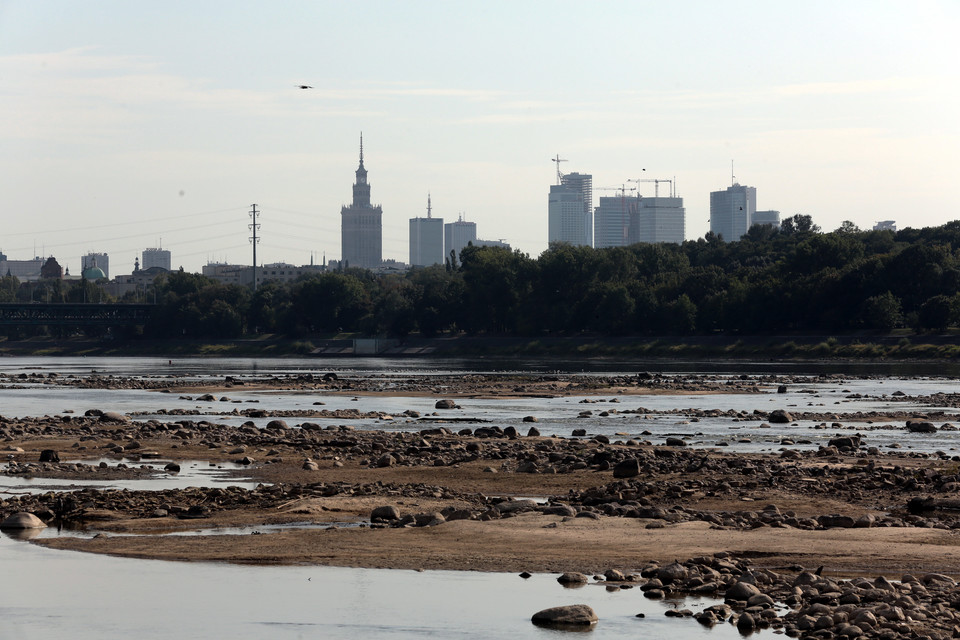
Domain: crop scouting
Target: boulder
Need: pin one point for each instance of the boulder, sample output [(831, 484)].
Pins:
[(172, 467), (675, 442), (779, 416), (573, 578), (921, 426), (445, 404), (741, 591), (575, 615), (114, 417), (386, 513), (628, 468), (49, 455), (277, 425), (23, 520)]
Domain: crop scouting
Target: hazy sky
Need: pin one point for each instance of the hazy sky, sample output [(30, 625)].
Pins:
[(125, 124)]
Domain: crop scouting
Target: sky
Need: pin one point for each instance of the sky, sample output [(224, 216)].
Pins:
[(127, 125)]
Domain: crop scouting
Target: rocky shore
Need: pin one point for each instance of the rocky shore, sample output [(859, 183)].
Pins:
[(843, 540)]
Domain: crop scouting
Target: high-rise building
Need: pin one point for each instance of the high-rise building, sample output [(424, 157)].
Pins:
[(426, 239), (155, 258), (769, 217), (100, 260), (361, 226), (885, 225), (659, 219), (457, 235), (731, 211), (570, 210), (611, 221)]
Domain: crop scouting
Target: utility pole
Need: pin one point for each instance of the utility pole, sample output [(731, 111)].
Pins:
[(254, 239)]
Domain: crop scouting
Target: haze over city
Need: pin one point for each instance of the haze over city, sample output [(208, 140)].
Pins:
[(132, 125)]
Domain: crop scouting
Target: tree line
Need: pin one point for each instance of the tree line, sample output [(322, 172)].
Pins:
[(772, 281)]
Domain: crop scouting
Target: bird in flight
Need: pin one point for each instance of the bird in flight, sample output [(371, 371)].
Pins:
[(304, 86)]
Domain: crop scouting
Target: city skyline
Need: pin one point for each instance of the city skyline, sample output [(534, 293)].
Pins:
[(126, 126)]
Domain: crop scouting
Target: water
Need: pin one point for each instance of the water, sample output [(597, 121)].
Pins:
[(49, 593), (87, 597)]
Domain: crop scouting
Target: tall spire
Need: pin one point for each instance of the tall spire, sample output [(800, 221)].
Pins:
[(361, 148), (429, 208)]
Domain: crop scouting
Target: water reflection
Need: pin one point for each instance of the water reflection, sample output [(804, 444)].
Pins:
[(59, 593)]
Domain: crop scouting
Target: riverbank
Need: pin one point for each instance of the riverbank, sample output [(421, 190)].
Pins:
[(860, 347), (804, 526)]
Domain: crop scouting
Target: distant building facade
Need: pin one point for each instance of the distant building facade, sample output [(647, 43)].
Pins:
[(659, 220), (426, 239), (155, 258), (361, 226), (770, 217), (731, 211), (23, 270), (611, 221), (885, 225), (457, 235), (570, 210), (100, 260), (491, 243)]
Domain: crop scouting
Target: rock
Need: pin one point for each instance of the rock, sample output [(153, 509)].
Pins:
[(49, 455), (578, 432), (113, 417), (746, 623), (779, 416), (445, 404), (310, 465), (532, 432), (386, 513), (921, 426), (172, 467), (573, 578), (579, 615), (386, 460), (530, 419), (836, 521), (675, 442), (627, 468), (23, 520), (277, 425), (741, 591)]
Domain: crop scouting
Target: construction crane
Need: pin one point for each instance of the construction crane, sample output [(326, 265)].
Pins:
[(656, 185), (558, 160)]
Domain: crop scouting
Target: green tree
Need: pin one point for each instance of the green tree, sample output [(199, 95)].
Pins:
[(882, 313)]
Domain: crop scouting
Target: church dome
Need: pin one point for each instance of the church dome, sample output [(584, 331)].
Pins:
[(94, 273)]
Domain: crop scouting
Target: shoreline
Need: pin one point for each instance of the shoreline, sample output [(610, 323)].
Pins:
[(905, 349)]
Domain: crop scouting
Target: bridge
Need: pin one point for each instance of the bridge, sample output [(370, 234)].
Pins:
[(74, 314)]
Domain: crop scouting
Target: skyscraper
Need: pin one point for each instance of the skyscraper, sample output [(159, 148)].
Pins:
[(611, 221), (659, 220), (156, 258), (457, 235), (570, 210), (426, 239), (361, 225), (731, 211)]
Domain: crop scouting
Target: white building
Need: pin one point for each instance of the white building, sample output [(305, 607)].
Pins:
[(885, 225), (426, 240), (659, 220), (611, 221), (570, 210), (457, 235), (731, 211), (100, 260), (155, 258)]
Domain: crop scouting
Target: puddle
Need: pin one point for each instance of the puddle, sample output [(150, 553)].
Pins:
[(193, 473)]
